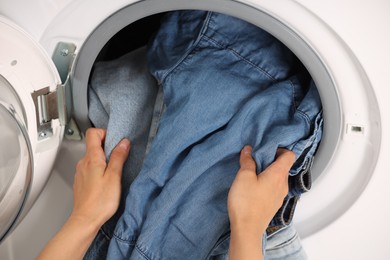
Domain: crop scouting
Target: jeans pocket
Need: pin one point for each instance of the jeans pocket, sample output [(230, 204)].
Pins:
[(285, 245)]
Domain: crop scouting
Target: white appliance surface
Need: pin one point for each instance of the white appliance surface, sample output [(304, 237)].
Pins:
[(361, 230)]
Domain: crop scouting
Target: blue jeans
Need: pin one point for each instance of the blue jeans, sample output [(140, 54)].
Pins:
[(284, 245), (226, 84)]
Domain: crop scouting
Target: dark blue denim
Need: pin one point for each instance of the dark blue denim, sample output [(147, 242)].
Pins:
[(226, 84)]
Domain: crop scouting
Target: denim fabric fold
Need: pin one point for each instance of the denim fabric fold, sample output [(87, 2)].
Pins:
[(122, 96)]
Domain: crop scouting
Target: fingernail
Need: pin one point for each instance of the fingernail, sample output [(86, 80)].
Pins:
[(247, 149), (124, 144)]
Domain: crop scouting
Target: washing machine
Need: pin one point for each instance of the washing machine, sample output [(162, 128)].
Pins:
[(47, 52)]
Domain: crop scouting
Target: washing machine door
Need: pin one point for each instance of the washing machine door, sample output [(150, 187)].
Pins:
[(30, 134), (15, 163)]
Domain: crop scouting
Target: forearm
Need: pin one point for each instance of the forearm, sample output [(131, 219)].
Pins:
[(72, 241), (245, 244)]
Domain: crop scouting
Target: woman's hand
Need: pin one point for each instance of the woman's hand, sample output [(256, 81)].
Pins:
[(97, 185), (97, 189), (254, 199)]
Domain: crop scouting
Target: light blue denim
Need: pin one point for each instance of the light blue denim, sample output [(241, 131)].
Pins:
[(285, 245), (122, 95), (226, 84), (282, 245)]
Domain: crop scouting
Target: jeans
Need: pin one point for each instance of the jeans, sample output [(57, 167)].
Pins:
[(122, 95), (284, 245), (226, 84)]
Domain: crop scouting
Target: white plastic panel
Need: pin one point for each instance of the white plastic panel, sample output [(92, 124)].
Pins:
[(10, 156), (24, 68), (15, 167)]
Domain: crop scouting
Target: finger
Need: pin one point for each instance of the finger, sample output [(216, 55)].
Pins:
[(282, 164), (118, 157), (94, 138), (246, 160), (286, 157)]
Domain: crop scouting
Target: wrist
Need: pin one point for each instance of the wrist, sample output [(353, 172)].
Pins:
[(247, 234), (84, 224), (248, 227), (245, 243), (75, 236)]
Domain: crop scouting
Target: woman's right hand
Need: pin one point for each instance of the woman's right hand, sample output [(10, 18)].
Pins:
[(254, 199)]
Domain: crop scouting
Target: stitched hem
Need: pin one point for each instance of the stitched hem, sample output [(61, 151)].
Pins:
[(185, 55), (241, 57), (129, 242), (142, 252)]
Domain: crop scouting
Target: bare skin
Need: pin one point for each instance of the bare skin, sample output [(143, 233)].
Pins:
[(96, 191), (252, 202)]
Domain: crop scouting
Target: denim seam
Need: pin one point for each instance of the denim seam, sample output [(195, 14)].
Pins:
[(304, 115), (223, 240), (291, 213), (315, 134), (311, 140), (106, 236), (283, 209), (301, 183), (269, 235), (142, 252), (293, 95), (296, 252), (241, 57), (125, 241), (227, 236), (191, 49), (307, 143), (158, 110), (286, 243)]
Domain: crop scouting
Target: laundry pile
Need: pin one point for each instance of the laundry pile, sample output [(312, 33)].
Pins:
[(205, 86)]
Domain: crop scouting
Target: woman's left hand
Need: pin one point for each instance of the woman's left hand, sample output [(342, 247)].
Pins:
[(97, 185), (97, 190)]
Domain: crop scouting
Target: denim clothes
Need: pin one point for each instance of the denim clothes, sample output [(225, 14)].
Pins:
[(284, 245), (226, 83), (102, 96), (122, 96)]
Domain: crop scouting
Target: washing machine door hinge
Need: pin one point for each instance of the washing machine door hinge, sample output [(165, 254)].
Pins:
[(49, 106), (56, 104)]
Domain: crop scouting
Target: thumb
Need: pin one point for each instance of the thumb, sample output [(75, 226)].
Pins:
[(246, 160), (118, 157), (282, 164)]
